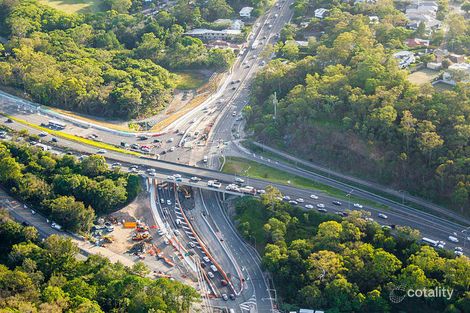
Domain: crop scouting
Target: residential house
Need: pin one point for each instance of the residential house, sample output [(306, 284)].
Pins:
[(459, 72), (321, 13), (456, 58), (246, 12), (209, 34), (231, 24), (417, 42), (405, 58), (373, 19)]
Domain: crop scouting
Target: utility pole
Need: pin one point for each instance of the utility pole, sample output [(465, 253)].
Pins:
[(275, 105)]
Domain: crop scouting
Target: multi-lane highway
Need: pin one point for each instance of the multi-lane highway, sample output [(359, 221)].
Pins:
[(206, 131)]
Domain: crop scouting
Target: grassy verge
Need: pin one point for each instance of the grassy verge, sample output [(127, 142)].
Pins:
[(205, 92), (71, 137), (234, 165), (276, 157), (74, 6), (189, 80)]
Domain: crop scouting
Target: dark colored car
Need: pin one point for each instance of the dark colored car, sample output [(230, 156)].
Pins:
[(336, 203)]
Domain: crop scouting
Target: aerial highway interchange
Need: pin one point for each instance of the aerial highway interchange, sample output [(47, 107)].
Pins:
[(206, 228)]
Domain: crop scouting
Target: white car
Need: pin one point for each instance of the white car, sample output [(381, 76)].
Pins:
[(177, 175), (210, 275), (206, 259), (299, 200), (213, 268), (453, 239), (162, 200), (357, 205), (287, 198), (172, 149), (314, 197), (261, 191), (168, 202), (458, 253), (160, 232), (369, 219), (239, 180), (196, 179), (381, 215), (293, 202), (320, 205), (309, 206), (101, 151), (170, 177), (458, 249)]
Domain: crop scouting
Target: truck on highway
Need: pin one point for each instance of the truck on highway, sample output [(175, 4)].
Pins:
[(214, 183), (255, 44), (432, 243), (248, 190)]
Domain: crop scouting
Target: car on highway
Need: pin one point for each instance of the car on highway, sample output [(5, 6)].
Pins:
[(299, 200), (381, 215), (172, 148), (293, 202), (42, 134), (177, 175), (168, 202), (458, 253), (232, 296), (101, 151), (213, 268), (261, 191), (369, 219), (309, 206), (286, 198), (9, 120), (320, 205), (195, 179), (162, 200), (210, 274), (225, 297), (115, 164), (314, 197), (56, 226), (458, 249), (170, 177), (239, 180), (160, 232), (54, 139), (357, 205), (322, 210), (453, 239), (206, 259), (234, 113), (336, 202)]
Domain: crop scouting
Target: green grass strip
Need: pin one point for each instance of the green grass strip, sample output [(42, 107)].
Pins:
[(71, 137), (252, 169)]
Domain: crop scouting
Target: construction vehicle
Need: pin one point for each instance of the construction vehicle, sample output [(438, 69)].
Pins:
[(129, 224)]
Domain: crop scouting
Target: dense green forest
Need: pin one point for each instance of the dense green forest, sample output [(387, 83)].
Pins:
[(68, 191), (323, 261), (46, 277), (360, 112), (109, 63)]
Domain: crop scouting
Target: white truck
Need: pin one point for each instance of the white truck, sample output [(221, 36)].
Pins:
[(255, 44), (56, 226), (248, 190), (214, 183)]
